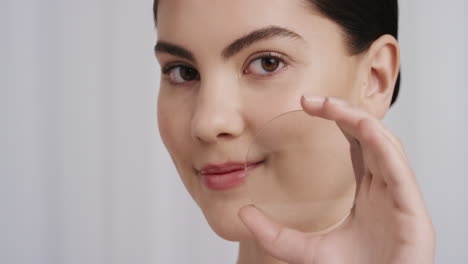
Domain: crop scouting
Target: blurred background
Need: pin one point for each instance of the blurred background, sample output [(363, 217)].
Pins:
[(84, 177)]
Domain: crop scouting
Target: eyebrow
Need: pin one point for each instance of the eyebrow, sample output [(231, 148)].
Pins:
[(235, 47), (257, 36), (166, 47)]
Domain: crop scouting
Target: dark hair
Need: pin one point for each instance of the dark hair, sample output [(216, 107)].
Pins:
[(362, 21)]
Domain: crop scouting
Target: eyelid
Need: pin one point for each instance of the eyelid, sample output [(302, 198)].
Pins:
[(171, 65), (265, 54)]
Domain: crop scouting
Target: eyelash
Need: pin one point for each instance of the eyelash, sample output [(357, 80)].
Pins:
[(268, 54), (166, 69), (263, 55)]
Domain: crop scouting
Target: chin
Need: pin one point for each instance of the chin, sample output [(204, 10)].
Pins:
[(222, 216), (220, 207)]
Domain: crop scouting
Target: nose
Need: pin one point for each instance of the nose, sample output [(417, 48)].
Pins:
[(217, 115)]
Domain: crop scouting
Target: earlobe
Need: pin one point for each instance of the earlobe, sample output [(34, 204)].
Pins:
[(382, 72)]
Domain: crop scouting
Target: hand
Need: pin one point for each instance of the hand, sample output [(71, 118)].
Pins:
[(389, 222)]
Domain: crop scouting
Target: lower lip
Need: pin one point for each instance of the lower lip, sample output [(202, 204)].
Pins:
[(227, 180)]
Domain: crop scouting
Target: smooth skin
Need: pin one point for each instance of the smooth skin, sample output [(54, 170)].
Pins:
[(212, 118), (389, 223)]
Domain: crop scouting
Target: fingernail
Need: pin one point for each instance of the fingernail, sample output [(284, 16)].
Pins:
[(314, 99)]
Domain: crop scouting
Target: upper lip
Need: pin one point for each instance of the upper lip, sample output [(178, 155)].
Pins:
[(226, 167)]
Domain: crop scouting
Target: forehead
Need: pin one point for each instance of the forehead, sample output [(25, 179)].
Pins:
[(206, 27), (179, 20)]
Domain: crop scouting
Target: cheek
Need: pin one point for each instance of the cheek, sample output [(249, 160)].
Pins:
[(164, 125), (165, 128), (174, 127), (266, 99), (174, 130), (335, 76)]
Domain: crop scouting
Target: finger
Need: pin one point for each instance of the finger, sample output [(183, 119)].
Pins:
[(347, 117), (357, 160), (359, 168), (341, 111), (392, 168), (282, 243)]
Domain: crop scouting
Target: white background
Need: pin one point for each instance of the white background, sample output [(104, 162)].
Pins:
[(84, 177)]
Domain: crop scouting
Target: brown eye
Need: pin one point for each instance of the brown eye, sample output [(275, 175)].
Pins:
[(270, 64), (188, 74), (181, 74), (265, 65)]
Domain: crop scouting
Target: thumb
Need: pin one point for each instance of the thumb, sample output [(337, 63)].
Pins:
[(283, 243)]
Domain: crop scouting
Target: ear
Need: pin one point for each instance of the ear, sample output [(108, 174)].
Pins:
[(381, 68)]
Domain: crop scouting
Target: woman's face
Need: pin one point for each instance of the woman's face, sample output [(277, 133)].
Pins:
[(229, 67)]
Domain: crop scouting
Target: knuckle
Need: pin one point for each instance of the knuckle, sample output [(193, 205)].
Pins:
[(327, 107)]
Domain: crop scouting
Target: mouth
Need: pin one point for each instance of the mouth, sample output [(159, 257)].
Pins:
[(227, 175)]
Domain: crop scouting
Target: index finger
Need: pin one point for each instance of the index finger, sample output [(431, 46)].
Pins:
[(394, 168)]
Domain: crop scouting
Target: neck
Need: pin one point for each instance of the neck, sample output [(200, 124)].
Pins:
[(252, 253)]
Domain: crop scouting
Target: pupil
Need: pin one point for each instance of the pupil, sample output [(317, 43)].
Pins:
[(188, 74), (270, 64)]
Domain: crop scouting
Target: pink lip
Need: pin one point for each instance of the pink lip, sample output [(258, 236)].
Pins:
[(227, 175)]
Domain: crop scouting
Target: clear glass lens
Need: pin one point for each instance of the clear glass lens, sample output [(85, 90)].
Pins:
[(299, 172)]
